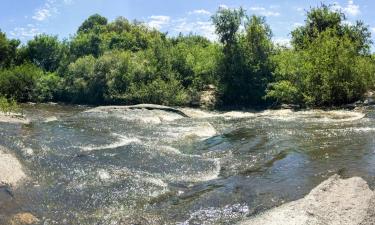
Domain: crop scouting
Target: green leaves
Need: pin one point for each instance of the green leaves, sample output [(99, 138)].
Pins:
[(45, 52), (8, 106), (227, 23), (245, 67), (329, 71)]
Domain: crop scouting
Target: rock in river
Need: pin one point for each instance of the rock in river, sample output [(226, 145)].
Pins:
[(335, 202), (23, 219), (11, 171)]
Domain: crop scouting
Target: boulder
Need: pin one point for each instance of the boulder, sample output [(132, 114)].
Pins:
[(335, 202), (11, 171), (139, 106)]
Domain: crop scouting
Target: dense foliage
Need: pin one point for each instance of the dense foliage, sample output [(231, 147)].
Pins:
[(329, 63), (246, 67), (122, 62)]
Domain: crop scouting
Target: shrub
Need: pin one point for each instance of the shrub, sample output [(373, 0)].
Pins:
[(8, 106)]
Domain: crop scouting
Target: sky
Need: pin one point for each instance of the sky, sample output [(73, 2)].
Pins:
[(23, 19)]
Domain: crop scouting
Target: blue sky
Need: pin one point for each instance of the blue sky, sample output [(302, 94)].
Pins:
[(23, 19)]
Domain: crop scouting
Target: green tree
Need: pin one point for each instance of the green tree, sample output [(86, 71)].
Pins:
[(19, 82), (92, 23), (8, 50), (44, 51), (246, 68), (227, 23), (328, 65)]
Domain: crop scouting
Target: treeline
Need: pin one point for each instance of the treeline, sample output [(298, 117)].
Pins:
[(122, 62)]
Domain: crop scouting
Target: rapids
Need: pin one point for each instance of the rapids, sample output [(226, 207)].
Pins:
[(105, 166)]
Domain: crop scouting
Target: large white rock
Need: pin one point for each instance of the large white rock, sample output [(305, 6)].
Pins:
[(11, 171), (334, 202)]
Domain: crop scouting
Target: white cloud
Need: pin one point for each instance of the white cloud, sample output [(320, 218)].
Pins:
[(47, 10), (25, 32), (223, 6), (297, 24), (158, 22), (282, 41), (200, 12), (263, 11), (350, 9), (41, 14), (372, 30), (203, 28)]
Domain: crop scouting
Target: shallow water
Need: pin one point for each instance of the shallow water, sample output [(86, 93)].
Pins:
[(154, 167)]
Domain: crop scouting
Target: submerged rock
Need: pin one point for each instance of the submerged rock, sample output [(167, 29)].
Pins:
[(11, 171), (13, 118), (23, 219), (335, 201), (140, 106)]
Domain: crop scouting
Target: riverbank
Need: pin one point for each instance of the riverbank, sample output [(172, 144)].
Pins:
[(336, 201)]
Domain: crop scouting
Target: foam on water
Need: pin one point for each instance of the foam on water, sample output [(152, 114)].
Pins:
[(139, 115), (122, 141), (332, 115), (215, 215), (290, 115), (50, 119), (200, 130), (103, 175), (237, 115), (198, 113)]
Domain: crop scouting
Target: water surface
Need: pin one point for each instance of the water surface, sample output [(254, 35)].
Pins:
[(154, 167)]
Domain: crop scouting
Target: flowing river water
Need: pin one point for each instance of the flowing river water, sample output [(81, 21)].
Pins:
[(97, 166)]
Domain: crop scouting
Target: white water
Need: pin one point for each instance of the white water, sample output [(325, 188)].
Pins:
[(122, 141)]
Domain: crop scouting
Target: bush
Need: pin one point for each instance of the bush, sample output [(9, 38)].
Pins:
[(48, 87), (19, 82), (8, 106)]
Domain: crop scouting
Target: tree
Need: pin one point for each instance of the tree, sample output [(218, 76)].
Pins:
[(86, 44), (93, 22), (19, 82), (258, 50), (246, 67), (8, 50), (227, 22), (328, 65), (44, 51), (322, 18)]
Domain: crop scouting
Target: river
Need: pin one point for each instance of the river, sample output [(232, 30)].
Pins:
[(91, 166)]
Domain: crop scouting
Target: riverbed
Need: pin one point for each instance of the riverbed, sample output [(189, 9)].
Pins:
[(99, 166)]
